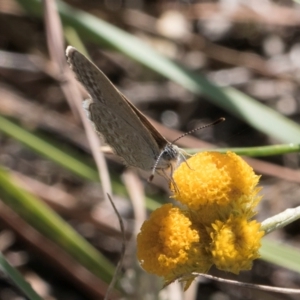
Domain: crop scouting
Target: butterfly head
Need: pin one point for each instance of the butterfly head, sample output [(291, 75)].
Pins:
[(166, 162)]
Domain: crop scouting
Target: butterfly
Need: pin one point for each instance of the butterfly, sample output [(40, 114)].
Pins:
[(127, 130)]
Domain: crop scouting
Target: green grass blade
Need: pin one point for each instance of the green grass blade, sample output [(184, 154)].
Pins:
[(48, 150), (281, 255), (254, 113), (237, 103), (254, 151), (50, 224), (18, 279), (73, 38), (77, 165)]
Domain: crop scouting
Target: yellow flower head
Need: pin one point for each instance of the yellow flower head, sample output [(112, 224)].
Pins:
[(235, 243), (216, 185), (168, 245), (219, 193)]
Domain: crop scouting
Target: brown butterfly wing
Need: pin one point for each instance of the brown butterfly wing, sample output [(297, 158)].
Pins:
[(122, 125)]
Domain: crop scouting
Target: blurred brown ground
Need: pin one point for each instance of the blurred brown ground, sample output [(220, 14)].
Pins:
[(231, 42)]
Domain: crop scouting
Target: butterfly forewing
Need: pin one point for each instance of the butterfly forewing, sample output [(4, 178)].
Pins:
[(121, 124)]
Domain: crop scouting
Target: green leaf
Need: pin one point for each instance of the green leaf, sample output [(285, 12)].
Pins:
[(51, 225), (237, 103), (47, 149), (18, 279), (74, 163), (280, 254), (254, 151)]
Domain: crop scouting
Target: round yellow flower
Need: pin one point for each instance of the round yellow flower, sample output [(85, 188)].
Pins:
[(235, 243), (215, 185), (168, 245), (219, 192)]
